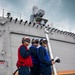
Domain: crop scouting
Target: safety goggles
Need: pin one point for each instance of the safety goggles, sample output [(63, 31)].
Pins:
[(45, 41), (37, 42), (27, 40)]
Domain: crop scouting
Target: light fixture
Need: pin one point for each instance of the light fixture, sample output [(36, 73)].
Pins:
[(58, 31), (20, 21), (16, 20), (49, 28), (29, 23), (37, 25), (55, 30), (10, 19), (33, 24), (25, 22)]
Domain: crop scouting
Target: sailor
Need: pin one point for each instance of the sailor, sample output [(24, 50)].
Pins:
[(44, 58), (35, 70), (24, 59)]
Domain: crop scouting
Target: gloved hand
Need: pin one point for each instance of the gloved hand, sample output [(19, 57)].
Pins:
[(57, 60), (52, 59)]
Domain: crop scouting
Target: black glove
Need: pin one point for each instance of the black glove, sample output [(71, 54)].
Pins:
[(57, 60), (52, 59)]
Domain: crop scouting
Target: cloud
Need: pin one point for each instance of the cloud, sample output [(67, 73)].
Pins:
[(68, 8), (58, 12), (65, 25)]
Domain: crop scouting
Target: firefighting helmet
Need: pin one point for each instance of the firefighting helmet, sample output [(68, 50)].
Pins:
[(43, 40), (35, 40), (25, 39)]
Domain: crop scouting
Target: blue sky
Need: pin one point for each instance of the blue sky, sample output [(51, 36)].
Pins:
[(60, 13)]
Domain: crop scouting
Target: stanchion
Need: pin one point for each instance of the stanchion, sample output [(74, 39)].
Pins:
[(50, 50)]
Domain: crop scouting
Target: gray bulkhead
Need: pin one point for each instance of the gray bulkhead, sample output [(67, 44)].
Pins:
[(11, 34)]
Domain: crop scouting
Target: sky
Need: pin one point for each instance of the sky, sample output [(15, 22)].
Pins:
[(60, 13)]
